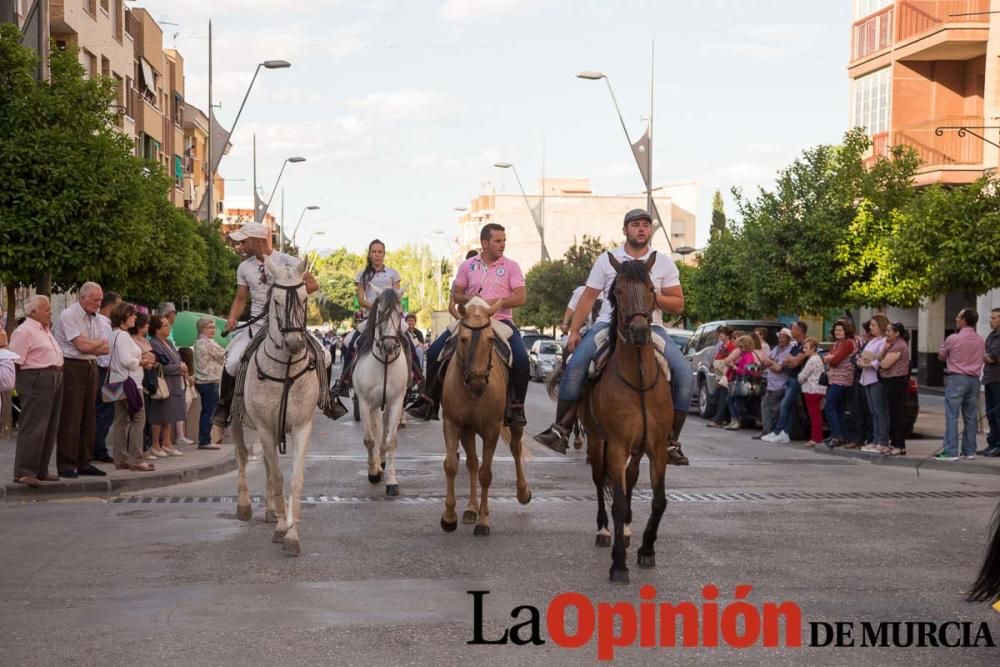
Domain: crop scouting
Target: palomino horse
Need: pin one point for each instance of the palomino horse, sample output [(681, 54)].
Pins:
[(628, 413), (474, 393), (282, 360), (381, 377), (987, 585)]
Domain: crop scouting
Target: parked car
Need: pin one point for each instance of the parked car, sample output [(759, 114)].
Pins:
[(543, 357), (680, 336), (529, 338)]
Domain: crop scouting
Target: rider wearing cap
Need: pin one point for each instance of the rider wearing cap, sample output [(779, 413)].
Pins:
[(638, 228), (253, 280)]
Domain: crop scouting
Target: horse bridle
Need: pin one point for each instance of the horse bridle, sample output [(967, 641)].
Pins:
[(379, 340), (293, 319), (468, 375), (636, 295)]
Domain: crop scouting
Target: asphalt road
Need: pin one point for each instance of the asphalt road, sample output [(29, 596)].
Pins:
[(171, 577)]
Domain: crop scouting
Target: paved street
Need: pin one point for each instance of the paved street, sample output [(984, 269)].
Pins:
[(169, 576)]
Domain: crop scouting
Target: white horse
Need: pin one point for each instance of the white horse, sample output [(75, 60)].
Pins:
[(381, 377), (284, 357)]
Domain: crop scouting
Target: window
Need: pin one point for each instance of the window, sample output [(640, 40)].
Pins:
[(129, 110), (150, 148), (120, 94), (871, 104), (105, 66), (863, 8), (89, 62), (104, 6), (91, 7), (117, 18)]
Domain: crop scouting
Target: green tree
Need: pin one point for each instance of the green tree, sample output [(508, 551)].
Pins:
[(718, 288), (718, 215), (221, 264), (70, 204), (549, 286), (580, 258)]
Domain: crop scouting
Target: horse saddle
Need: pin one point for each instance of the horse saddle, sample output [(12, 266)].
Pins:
[(600, 359), (501, 343)]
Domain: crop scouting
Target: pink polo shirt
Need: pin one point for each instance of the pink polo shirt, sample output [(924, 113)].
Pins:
[(36, 346), (496, 281), (964, 352)]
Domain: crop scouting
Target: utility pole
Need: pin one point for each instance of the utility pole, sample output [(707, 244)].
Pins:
[(210, 212), (649, 153), (281, 228)]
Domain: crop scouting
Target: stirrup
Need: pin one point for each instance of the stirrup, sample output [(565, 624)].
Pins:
[(334, 408), (555, 438)]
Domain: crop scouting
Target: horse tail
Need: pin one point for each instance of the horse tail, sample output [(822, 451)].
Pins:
[(525, 452), (553, 380), (987, 585)]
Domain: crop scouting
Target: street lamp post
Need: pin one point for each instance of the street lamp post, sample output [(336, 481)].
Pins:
[(213, 161), (539, 223), (259, 215), (296, 231)]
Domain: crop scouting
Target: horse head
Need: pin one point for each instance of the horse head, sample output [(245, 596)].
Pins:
[(475, 344), (287, 307), (633, 298), (387, 317)]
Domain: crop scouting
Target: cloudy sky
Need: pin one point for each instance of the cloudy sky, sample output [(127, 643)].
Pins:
[(401, 107)]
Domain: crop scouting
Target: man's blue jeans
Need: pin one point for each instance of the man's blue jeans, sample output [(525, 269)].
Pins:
[(681, 379), (105, 415), (209, 393), (834, 409), (793, 390), (960, 395)]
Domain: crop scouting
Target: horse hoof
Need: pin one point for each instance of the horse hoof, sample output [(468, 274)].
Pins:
[(375, 479), (392, 489), (278, 537), (448, 527), (646, 561), (402, 424), (481, 531), (603, 541), (526, 500), (291, 547), (468, 516), (270, 516), (244, 512), (619, 576)]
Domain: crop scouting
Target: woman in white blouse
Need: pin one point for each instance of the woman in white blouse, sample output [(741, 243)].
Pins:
[(127, 361)]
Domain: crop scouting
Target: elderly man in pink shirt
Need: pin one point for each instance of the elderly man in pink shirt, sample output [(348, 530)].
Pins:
[(39, 387), (492, 277), (963, 351)]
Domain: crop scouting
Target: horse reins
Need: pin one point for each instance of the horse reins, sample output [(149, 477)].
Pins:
[(377, 345), (467, 373), (636, 295)]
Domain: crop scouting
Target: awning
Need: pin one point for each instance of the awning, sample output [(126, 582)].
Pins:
[(148, 78)]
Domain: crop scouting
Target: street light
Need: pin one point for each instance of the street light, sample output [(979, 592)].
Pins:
[(259, 216), (684, 250), (296, 232), (539, 224), (213, 161)]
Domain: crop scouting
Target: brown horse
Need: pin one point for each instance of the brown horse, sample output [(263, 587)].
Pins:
[(628, 412), (474, 393)]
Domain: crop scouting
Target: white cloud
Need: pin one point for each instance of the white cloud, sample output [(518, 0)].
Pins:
[(346, 39), (472, 10), (410, 104)]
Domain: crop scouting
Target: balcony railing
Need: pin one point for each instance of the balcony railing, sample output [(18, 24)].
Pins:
[(879, 149), (919, 16), (873, 33), (947, 149)]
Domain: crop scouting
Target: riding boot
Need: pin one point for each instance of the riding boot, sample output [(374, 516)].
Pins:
[(674, 454), (343, 384), (516, 417), (226, 389), (556, 437), (426, 407)]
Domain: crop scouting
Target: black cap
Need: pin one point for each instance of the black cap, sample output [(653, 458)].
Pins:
[(637, 214)]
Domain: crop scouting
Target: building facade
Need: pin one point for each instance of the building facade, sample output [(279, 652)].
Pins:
[(920, 70), (570, 211)]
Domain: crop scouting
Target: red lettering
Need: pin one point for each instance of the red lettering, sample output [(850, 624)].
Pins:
[(647, 617), (710, 617), (555, 620), (668, 624), (793, 623), (607, 640)]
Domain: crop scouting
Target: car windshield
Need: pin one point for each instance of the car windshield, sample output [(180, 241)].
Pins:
[(549, 348)]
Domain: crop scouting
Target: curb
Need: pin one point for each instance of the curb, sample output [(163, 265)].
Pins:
[(924, 462), (104, 488)]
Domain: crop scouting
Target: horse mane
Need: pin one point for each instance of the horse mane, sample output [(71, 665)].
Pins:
[(387, 301), (633, 271)]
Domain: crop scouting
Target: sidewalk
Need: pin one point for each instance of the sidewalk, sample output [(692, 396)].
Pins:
[(194, 465)]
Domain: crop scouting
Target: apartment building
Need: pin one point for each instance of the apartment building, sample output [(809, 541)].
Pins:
[(920, 70), (572, 209), (195, 159)]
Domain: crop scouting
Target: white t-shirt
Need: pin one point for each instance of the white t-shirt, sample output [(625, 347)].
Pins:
[(378, 283), (255, 276), (664, 274), (575, 298)]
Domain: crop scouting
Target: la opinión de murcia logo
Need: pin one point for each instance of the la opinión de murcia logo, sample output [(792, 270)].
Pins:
[(708, 624)]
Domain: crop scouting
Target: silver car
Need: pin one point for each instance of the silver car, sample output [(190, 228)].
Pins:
[(544, 356)]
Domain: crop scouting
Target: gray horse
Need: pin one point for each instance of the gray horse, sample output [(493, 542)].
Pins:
[(284, 356)]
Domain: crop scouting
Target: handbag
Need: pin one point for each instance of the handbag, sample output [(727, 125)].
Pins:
[(740, 388), (162, 390), (824, 379), (112, 392)]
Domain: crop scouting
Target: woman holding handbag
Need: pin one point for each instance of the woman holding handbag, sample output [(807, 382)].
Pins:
[(125, 375), (165, 412), (813, 390), (740, 375)]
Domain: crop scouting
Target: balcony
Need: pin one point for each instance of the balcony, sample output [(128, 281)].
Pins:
[(872, 33), (947, 152)]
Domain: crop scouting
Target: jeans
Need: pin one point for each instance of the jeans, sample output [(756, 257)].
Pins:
[(993, 414), (721, 405), (105, 415), (681, 378), (859, 429), (875, 395), (834, 409), (519, 372), (960, 395), (792, 392), (209, 393), (737, 405), (895, 401), (770, 407)]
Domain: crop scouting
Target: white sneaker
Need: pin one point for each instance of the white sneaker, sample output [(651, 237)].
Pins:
[(769, 437), (968, 457), (781, 437), (184, 441)]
